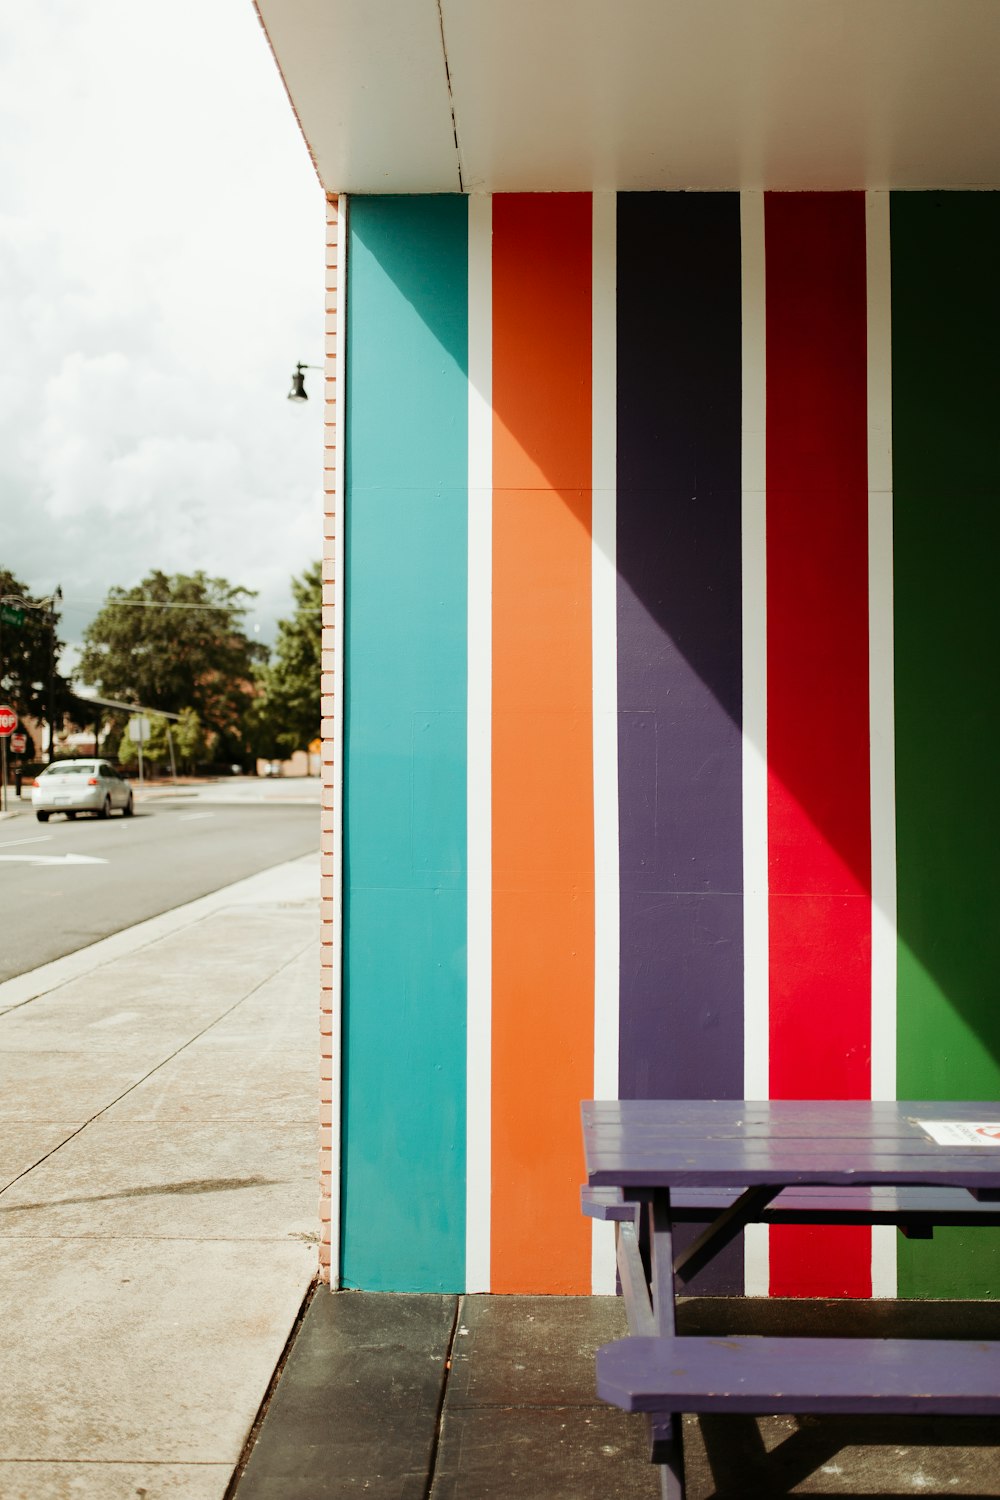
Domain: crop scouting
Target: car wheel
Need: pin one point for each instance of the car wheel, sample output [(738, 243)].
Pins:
[(127, 809), (42, 817), (105, 811)]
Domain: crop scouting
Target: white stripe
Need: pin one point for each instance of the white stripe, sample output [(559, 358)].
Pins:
[(605, 669), (884, 1241), (337, 847), (480, 705), (881, 692), (755, 916)]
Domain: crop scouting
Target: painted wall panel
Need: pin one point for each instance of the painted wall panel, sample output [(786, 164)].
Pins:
[(680, 652), (738, 644), (679, 645), (946, 480), (403, 1183), (819, 841), (543, 801)]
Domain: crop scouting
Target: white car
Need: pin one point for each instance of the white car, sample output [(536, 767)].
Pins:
[(72, 786)]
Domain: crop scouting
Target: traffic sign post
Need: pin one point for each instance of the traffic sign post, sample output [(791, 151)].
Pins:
[(18, 745), (8, 723), (139, 729)]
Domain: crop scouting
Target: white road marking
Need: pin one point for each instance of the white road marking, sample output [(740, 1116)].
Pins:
[(52, 859), (10, 843), (190, 817)]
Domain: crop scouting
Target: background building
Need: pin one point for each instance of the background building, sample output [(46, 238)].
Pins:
[(663, 473)]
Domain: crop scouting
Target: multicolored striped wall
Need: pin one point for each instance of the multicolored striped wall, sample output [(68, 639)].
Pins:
[(671, 702)]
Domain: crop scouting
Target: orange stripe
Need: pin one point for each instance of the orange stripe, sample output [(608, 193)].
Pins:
[(543, 834)]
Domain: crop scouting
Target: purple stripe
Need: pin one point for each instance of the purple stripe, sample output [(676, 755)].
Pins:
[(680, 654), (679, 645)]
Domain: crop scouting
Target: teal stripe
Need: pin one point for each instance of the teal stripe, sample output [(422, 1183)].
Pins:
[(946, 509), (405, 745)]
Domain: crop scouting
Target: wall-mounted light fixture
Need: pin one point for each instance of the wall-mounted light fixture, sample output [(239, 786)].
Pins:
[(298, 390)]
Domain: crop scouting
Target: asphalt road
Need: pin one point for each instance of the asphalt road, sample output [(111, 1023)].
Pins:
[(64, 885)]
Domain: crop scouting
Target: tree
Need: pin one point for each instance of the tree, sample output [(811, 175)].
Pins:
[(192, 745), (286, 715), (174, 642), (29, 651)]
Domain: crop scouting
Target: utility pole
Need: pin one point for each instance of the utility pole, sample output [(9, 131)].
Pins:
[(12, 608), (52, 673)]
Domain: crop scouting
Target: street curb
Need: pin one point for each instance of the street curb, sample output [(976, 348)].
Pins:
[(161, 797), (293, 883)]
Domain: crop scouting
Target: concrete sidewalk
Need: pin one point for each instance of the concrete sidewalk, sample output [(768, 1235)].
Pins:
[(158, 1204), (238, 791), (158, 1199)]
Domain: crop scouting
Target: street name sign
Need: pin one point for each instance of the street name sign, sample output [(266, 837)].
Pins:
[(11, 615)]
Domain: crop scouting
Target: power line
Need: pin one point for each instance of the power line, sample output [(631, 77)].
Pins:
[(150, 604), (166, 604)]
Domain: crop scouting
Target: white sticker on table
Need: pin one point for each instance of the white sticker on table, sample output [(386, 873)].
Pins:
[(962, 1132)]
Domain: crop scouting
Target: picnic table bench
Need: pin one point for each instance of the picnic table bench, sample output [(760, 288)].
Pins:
[(735, 1162)]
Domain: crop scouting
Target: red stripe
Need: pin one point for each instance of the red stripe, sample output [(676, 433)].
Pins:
[(819, 835)]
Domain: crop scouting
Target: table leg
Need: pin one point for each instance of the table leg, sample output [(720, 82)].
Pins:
[(672, 1467), (666, 1427), (661, 1262), (633, 1275)]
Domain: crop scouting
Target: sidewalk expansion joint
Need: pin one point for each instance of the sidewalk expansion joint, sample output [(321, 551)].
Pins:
[(279, 1370), (442, 1396)]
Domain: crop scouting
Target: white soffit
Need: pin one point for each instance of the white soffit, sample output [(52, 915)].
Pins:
[(643, 94), (368, 82)]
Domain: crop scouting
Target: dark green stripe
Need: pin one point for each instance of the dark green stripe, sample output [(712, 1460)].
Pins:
[(405, 751), (946, 482)]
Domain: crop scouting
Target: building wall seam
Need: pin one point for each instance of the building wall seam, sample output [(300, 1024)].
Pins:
[(331, 762)]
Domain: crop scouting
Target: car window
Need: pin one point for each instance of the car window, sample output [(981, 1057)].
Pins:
[(68, 769)]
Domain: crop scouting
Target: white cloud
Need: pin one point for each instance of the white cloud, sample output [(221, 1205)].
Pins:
[(161, 270)]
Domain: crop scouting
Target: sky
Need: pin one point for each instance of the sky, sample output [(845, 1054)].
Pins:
[(161, 272)]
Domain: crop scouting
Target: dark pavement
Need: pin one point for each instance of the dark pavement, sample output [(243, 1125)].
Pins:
[(400, 1397)]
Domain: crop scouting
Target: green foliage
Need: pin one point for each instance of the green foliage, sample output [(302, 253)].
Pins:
[(192, 742), (27, 652), (286, 714), (193, 745), (195, 657)]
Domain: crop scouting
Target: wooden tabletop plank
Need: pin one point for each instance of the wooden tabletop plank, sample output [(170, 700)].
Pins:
[(783, 1116), (633, 1143)]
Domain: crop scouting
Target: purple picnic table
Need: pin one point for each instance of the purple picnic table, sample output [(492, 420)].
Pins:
[(780, 1161)]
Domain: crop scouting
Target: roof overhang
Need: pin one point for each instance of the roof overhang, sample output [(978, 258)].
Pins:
[(426, 96)]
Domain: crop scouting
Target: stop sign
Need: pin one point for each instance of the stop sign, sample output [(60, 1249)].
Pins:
[(8, 720)]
